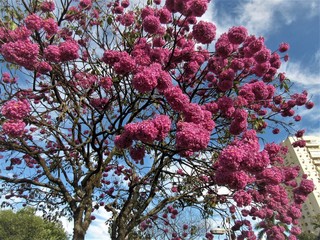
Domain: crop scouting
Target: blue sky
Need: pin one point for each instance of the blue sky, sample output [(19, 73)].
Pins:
[(294, 21)]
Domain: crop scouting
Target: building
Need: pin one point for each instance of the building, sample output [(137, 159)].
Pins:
[(308, 159)]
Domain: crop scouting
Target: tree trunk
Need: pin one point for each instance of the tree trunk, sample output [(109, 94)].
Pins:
[(78, 234), (79, 230)]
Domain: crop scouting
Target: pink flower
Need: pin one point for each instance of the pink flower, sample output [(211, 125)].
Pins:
[(21, 52), (295, 212), (262, 56), (85, 4), (151, 24), (275, 60), (309, 105), (283, 47), (295, 230), (306, 186), (271, 175), (191, 137), (43, 67), (163, 125), (118, 10), (299, 133), (33, 22), (176, 98), (106, 83), (242, 198), (6, 78), (204, 32), (14, 128), (123, 141), (256, 45), (52, 53), (237, 127), (231, 157), (225, 105), (145, 80), (297, 118), (50, 26), (126, 63), (147, 131), (110, 57), (198, 7), (47, 6), (137, 153), (237, 35), (68, 50), (164, 16), (127, 19), (125, 3), (299, 143), (16, 109)]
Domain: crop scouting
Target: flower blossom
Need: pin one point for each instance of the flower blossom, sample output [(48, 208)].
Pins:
[(47, 6), (14, 109), (204, 32), (237, 35), (68, 50), (145, 80), (21, 52), (33, 22), (151, 24), (191, 137), (14, 128)]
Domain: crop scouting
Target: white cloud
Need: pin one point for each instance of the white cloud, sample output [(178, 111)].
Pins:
[(98, 230), (302, 75), (263, 16)]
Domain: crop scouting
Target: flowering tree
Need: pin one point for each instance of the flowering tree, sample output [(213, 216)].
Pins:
[(145, 112)]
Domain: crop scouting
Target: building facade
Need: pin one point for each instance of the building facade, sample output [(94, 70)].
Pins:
[(308, 159)]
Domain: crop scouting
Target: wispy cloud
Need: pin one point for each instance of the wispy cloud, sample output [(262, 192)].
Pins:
[(98, 229), (261, 16), (302, 75), (264, 16)]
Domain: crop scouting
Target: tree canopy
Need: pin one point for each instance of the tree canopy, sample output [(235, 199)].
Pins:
[(144, 111), (25, 225)]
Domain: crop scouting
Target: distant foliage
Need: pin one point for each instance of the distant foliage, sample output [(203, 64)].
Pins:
[(25, 225)]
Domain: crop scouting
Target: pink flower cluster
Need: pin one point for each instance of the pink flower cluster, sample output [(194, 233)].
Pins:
[(85, 80), (33, 22), (191, 137), (151, 77), (122, 62), (6, 78), (151, 24), (204, 32), (14, 128), (47, 6), (146, 131), (22, 52), (187, 7), (242, 163), (66, 51), (14, 109)]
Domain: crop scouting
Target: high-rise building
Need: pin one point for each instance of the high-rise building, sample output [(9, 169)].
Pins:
[(308, 159)]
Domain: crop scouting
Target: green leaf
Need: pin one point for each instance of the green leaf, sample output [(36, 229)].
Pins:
[(109, 20)]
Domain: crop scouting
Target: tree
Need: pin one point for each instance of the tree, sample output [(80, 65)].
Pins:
[(25, 225), (127, 108)]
